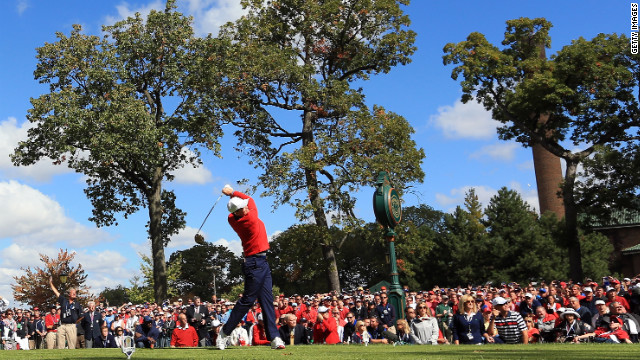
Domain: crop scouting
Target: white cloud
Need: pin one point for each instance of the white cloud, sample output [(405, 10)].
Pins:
[(184, 239), (32, 218), (192, 175), (500, 151), (526, 166), (208, 15), (456, 196), (485, 193), (125, 10), (22, 6), (468, 120), (10, 135)]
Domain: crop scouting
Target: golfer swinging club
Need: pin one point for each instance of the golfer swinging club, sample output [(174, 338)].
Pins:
[(257, 274)]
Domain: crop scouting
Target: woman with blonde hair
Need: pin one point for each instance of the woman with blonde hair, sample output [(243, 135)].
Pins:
[(401, 332), (424, 329), (360, 336), (467, 326)]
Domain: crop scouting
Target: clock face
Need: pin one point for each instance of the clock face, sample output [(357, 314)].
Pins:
[(394, 211)]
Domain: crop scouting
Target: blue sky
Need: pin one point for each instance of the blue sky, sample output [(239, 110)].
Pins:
[(43, 207)]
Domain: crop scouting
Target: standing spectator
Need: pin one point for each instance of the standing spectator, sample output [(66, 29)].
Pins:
[(167, 329), (509, 325), (528, 306), (91, 322), (40, 330), (51, 322), (22, 335), (197, 315), (359, 310), (184, 335), (424, 329), (444, 312), (612, 296), (244, 220), (467, 326), (589, 301), (70, 312)]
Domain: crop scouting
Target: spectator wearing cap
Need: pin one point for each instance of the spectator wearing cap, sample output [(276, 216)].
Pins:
[(585, 314), (612, 296), (601, 318), (51, 322), (589, 300), (359, 310), (467, 326), (528, 305), (40, 330), (444, 313), (325, 330), (509, 325), (183, 335), (146, 334), (571, 326)]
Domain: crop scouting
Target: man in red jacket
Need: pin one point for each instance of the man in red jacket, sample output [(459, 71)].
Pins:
[(325, 331), (244, 220)]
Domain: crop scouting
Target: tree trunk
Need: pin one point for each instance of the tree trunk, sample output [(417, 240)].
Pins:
[(157, 243), (317, 203), (571, 223)]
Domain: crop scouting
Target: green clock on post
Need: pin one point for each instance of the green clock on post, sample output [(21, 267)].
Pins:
[(387, 205)]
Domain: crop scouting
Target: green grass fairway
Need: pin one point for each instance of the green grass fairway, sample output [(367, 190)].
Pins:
[(322, 352)]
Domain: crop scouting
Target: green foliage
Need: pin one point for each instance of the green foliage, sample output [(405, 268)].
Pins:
[(141, 289), (584, 96), (122, 110), (196, 266), (116, 296), (236, 290), (289, 71)]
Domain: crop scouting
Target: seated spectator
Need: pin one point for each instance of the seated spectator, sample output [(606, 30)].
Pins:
[(401, 333), (360, 336), (571, 326), (325, 331), (585, 314), (629, 322), (424, 329), (377, 333), (509, 325), (615, 334), (146, 334), (532, 332), (292, 333), (105, 340), (349, 327), (545, 322), (184, 335), (259, 333), (239, 336), (467, 326)]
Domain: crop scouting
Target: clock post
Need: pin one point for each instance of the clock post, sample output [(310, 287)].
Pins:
[(387, 207)]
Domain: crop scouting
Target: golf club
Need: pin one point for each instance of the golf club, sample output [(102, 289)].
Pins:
[(199, 238)]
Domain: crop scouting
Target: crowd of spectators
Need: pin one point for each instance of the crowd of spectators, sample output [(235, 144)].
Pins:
[(507, 313)]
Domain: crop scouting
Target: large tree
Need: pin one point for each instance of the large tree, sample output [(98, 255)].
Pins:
[(587, 94), (122, 110), (197, 264), (33, 287), (289, 78)]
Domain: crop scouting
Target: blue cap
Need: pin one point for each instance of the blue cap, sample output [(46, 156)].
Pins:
[(147, 319)]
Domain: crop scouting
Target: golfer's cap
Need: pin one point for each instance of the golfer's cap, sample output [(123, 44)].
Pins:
[(235, 204), (322, 309), (499, 301)]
